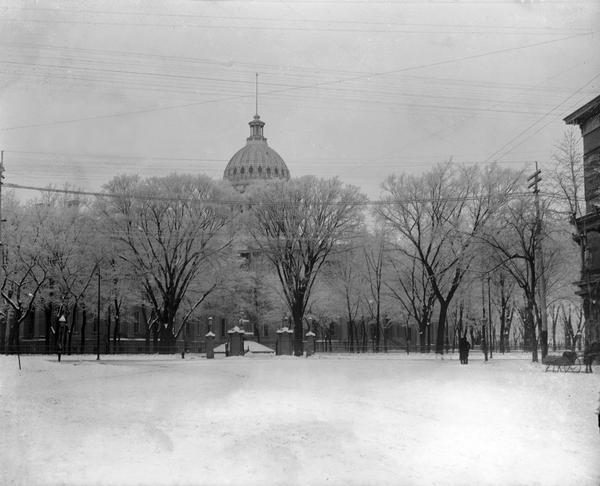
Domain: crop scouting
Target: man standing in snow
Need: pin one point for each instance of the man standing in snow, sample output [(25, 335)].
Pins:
[(463, 350)]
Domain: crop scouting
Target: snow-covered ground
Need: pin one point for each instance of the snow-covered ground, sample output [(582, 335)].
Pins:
[(338, 420)]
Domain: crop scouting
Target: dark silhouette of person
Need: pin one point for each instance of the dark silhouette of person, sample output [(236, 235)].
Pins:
[(591, 353), (463, 350), (598, 412)]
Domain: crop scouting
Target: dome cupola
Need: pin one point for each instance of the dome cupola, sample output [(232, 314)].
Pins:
[(256, 161)]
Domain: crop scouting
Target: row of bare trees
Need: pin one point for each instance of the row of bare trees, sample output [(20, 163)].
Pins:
[(419, 255)]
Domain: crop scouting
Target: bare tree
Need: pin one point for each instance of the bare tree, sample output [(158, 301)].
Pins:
[(513, 238), (439, 215), (503, 301), (73, 254), (411, 287), (567, 174), (171, 231), (297, 225), (573, 323), (24, 270), (345, 276), (373, 253)]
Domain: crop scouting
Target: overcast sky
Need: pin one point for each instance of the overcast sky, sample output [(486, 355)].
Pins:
[(355, 89)]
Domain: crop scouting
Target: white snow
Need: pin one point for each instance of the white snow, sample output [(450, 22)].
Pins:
[(249, 347), (335, 419)]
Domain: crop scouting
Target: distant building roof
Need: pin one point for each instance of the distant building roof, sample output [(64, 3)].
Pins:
[(581, 115)]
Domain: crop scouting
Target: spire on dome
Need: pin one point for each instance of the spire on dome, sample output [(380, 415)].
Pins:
[(256, 125)]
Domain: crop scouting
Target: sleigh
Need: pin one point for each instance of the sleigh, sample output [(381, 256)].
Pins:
[(569, 361)]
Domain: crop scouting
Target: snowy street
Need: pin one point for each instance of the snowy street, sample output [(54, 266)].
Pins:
[(329, 419)]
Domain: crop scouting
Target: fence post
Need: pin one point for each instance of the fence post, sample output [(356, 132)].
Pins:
[(310, 343), (210, 345), (284, 341)]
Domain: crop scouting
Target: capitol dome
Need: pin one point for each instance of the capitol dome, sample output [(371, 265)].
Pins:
[(256, 161)]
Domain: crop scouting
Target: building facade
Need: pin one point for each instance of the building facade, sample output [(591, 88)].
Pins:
[(587, 118)]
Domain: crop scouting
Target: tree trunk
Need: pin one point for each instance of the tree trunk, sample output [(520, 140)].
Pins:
[(72, 328), (146, 331), (532, 333), (422, 336), (544, 342), (155, 336), (298, 333), (439, 343), (2, 333), (117, 329), (48, 325), (83, 326), (108, 323), (167, 344), (147, 339), (363, 330), (256, 332), (385, 339), (13, 331), (350, 336), (503, 305)]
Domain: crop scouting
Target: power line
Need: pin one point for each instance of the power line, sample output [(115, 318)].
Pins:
[(282, 69), (241, 202), (114, 156), (436, 31), (540, 119), (292, 88), (193, 87), (337, 96), (488, 27)]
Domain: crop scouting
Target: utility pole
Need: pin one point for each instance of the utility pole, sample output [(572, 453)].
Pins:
[(1, 177), (98, 321), (484, 341), (534, 181), (2, 252), (2, 247), (491, 333)]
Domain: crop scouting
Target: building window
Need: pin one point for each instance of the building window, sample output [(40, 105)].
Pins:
[(259, 170), (234, 170), (242, 171), (268, 171), (250, 169), (223, 327), (276, 173)]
